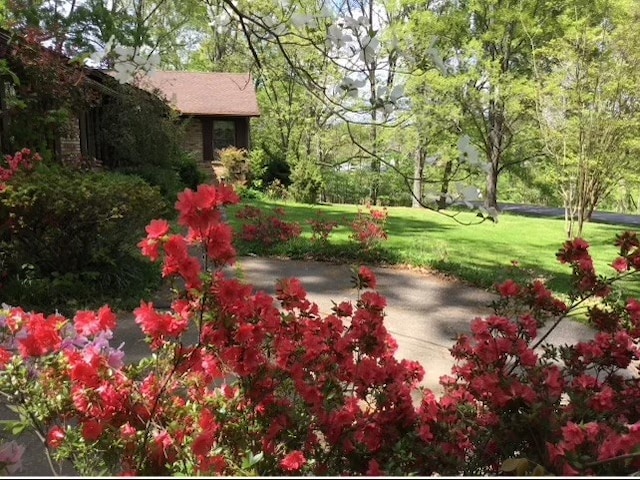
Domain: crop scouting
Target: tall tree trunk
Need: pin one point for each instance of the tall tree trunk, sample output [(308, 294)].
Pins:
[(496, 122), (418, 180)]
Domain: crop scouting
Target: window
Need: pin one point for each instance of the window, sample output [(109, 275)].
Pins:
[(224, 134)]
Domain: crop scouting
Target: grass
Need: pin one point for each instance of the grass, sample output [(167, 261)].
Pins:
[(481, 255)]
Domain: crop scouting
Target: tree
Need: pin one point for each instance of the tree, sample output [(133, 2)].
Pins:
[(588, 107), (349, 37), (113, 32), (484, 53)]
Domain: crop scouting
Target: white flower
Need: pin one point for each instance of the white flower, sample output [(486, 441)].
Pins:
[(370, 47), (468, 194), (301, 20), (396, 93)]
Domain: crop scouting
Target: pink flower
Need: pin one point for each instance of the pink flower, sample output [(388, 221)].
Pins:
[(11, 456), (293, 462), (89, 323), (620, 264)]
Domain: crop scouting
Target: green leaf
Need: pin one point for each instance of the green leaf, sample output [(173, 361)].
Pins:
[(16, 427)]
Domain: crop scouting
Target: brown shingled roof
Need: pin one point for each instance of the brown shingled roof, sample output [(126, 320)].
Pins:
[(199, 93)]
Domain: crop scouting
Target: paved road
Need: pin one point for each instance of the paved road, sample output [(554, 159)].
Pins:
[(425, 314), (611, 218)]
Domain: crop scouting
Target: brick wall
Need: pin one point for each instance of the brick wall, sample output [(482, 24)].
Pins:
[(192, 144)]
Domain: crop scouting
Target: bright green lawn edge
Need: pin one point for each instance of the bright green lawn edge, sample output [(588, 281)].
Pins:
[(481, 255)]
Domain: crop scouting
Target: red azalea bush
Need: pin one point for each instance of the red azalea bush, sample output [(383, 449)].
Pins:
[(275, 390), (25, 159), (321, 229), (266, 228), (368, 229)]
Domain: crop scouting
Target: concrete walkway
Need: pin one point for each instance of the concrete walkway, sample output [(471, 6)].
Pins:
[(425, 313)]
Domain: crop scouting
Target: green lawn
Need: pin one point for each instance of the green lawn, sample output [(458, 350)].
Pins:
[(481, 255)]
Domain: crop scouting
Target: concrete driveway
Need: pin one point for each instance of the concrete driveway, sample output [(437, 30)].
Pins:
[(425, 314)]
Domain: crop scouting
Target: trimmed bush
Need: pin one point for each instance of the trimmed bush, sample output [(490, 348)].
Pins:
[(71, 237)]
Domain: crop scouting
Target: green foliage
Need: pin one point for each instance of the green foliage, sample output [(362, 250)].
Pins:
[(589, 103), (236, 165), (42, 94), (165, 179), (307, 182), (150, 149), (188, 172), (351, 187), (71, 237), (480, 255), (266, 169), (139, 129)]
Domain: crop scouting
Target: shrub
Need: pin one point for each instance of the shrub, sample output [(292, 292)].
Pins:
[(71, 237), (273, 391), (369, 228), (321, 229), (236, 165), (307, 182), (277, 191), (130, 140), (268, 167), (266, 228), (165, 179), (188, 172)]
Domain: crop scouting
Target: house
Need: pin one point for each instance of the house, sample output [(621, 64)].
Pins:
[(55, 106), (216, 108)]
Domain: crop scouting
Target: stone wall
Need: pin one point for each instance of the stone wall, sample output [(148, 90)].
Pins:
[(70, 149)]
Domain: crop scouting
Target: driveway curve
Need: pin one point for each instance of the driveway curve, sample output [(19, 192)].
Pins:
[(424, 313)]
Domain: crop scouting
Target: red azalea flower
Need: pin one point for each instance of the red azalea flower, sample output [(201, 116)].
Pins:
[(367, 278), (203, 443), (509, 289), (5, 358), (158, 325), (291, 293), (157, 229), (374, 470), (620, 264), (89, 323), (92, 430), (55, 437), (633, 307), (43, 336), (373, 301), (150, 249), (293, 462)]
